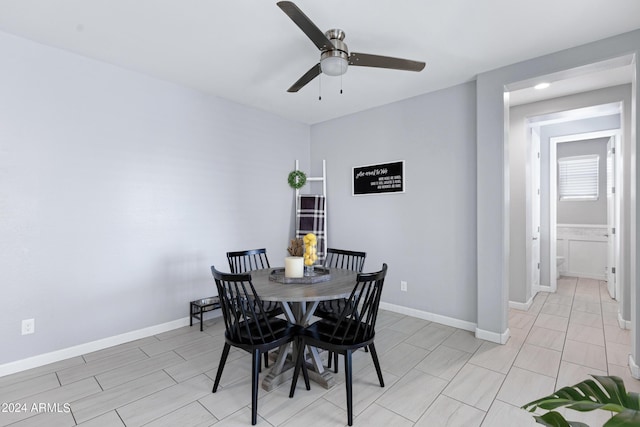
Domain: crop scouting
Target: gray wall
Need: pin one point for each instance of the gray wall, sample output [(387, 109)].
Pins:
[(426, 235), (119, 191), (585, 211)]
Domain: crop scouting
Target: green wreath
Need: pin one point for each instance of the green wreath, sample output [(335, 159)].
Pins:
[(297, 179)]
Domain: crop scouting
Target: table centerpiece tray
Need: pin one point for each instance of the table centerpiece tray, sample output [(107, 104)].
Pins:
[(320, 274)]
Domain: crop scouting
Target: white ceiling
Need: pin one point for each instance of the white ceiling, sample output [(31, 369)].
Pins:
[(250, 52)]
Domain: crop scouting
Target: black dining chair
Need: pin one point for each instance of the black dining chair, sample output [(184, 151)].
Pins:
[(254, 259), (339, 258), (248, 327), (348, 332), (348, 260), (331, 309)]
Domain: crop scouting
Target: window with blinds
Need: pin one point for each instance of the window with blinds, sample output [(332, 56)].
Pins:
[(578, 178)]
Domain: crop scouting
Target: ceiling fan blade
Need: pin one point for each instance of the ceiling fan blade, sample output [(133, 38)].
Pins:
[(306, 25), (367, 60), (308, 76)]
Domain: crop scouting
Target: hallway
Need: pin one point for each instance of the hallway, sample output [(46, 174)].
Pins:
[(571, 334)]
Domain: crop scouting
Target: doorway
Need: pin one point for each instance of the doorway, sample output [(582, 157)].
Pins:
[(593, 253), (496, 216), (544, 133)]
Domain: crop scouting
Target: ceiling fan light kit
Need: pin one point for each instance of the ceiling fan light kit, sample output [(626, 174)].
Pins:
[(334, 63), (334, 54)]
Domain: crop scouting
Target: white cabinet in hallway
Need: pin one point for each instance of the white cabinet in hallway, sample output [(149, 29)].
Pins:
[(584, 248)]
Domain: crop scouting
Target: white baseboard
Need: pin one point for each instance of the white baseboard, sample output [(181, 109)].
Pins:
[(524, 306), (635, 369), (583, 275), (449, 321), (78, 350), (624, 324), (444, 320), (493, 336)]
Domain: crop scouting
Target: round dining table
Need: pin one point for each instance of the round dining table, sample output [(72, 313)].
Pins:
[(299, 301)]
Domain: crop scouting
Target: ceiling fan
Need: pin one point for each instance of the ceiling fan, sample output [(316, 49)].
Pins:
[(334, 54)]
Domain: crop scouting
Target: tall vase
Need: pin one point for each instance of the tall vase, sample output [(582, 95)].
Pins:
[(310, 257)]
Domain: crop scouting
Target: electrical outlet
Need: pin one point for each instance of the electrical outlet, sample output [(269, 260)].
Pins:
[(403, 286), (28, 326)]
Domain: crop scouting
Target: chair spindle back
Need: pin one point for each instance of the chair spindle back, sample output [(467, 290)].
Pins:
[(349, 260), (359, 325), (243, 261), (244, 323)]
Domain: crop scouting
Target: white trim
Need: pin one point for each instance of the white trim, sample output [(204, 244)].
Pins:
[(593, 111), (533, 214), (78, 350), (584, 275), (553, 215), (449, 321), (437, 318), (624, 324), (524, 306), (634, 368), (585, 238), (545, 288), (493, 336), (582, 225)]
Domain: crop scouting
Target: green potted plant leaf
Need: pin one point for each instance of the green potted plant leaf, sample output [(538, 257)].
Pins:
[(606, 392)]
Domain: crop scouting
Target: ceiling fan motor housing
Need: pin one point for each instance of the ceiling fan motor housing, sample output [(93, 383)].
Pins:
[(336, 37)]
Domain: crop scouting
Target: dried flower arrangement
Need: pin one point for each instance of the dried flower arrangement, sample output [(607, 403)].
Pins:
[(296, 247)]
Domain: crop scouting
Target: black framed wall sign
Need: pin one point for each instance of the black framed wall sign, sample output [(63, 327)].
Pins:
[(378, 179)]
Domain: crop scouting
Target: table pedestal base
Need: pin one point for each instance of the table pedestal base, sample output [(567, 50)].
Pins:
[(283, 367), (273, 380)]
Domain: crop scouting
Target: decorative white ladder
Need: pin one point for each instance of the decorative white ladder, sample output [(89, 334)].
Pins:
[(322, 179)]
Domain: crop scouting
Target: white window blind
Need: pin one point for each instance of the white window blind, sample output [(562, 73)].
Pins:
[(578, 177)]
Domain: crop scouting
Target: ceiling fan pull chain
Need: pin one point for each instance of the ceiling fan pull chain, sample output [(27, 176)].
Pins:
[(319, 88), (341, 84)]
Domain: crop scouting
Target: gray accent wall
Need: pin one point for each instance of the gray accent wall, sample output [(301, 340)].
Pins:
[(427, 234), (119, 191)]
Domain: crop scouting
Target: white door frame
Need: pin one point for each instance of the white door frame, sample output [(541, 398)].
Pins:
[(553, 197), (532, 237), (612, 217)]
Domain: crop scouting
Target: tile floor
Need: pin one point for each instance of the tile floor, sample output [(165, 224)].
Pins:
[(435, 375)]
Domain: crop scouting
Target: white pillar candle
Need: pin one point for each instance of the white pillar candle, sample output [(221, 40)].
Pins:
[(293, 266)]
